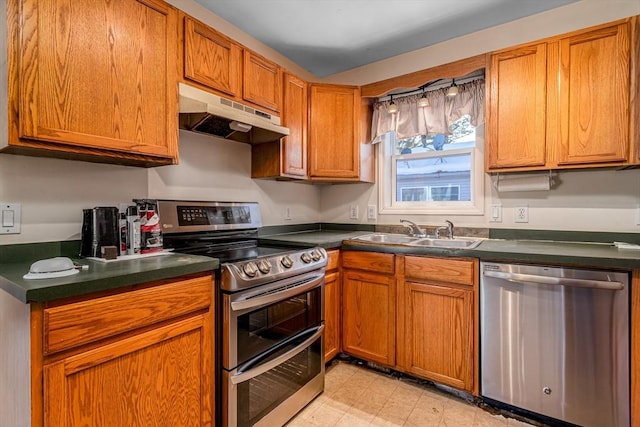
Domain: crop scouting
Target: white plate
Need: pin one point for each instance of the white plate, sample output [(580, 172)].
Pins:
[(51, 274)]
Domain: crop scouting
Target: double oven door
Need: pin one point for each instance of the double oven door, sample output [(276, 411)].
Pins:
[(272, 350)]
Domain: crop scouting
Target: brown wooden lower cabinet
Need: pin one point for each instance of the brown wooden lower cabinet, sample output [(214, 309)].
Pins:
[(437, 320), (413, 313), (369, 307), (146, 362), (438, 333), (332, 307)]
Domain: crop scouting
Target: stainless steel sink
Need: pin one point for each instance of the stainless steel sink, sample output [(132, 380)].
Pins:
[(402, 239), (456, 243), (387, 238)]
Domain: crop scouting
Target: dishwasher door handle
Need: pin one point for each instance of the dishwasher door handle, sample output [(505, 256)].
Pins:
[(560, 281)]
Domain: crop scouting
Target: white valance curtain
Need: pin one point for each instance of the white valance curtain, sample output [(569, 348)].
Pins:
[(411, 120)]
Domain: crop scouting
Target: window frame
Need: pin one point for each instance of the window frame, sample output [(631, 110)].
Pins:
[(387, 181)]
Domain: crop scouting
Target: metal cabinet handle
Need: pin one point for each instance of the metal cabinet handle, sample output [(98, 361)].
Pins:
[(261, 369), (560, 281)]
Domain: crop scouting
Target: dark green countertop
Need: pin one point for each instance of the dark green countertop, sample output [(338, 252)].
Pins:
[(100, 276), (327, 239), (582, 254), (15, 261), (599, 255)]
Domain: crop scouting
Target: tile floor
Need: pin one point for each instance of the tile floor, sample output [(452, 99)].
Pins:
[(356, 396)]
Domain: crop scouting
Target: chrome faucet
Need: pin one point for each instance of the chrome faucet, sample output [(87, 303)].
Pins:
[(448, 227), (416, 231)]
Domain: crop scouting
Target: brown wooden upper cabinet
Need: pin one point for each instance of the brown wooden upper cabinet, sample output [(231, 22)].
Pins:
[(92, 80), (262, 82), (328, 127), (216, 62), (565, 102), (334, 146), (287, 158), (212, 59)]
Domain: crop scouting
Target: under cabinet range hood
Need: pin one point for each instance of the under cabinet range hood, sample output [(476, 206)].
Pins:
[(204, 112)]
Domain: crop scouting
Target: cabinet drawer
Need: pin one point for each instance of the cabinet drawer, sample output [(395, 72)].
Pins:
[(333, 260), (441, 270), (70, 325), (369, 261)]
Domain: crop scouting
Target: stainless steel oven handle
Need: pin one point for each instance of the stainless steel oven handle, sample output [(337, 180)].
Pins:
[(261, 369), (309, 283), (550, 280)]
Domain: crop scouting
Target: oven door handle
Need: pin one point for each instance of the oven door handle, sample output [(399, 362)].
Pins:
[(245, 375), (304, 285)]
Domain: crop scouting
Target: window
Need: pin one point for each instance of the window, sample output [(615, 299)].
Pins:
[(422, 194), (434, 173), (431, 156)]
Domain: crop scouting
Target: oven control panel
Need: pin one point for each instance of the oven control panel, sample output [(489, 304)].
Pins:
[(248, 274), (186, 216)]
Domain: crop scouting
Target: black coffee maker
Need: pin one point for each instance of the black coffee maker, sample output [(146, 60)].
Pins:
[(99, 228)]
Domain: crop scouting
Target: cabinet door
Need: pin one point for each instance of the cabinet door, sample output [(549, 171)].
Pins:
[(211, 59), (594, 80), (262, 82), (437, 341), (333, 132), (159, 377), (294, 146), (368, 316), (100, 75), (517, 105), (331, 316)]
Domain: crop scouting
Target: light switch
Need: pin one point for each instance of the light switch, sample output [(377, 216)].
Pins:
[(10, 213), (496, 213), (7, 218)]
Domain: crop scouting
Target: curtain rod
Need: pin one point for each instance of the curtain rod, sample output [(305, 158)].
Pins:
[(435, 85)]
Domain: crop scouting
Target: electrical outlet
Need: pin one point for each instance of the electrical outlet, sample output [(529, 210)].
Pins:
[(287, 213), (353, 212), (496, 213), (521, 214), (371, 212)]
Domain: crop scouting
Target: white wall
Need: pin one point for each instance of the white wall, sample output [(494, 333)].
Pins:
[(216, 169), (597, 200), (594, 200), (53, 193)]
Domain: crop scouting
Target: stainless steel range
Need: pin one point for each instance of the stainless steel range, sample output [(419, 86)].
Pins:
[(270, 305)]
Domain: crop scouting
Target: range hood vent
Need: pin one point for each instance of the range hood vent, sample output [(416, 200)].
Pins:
[(204, 112)]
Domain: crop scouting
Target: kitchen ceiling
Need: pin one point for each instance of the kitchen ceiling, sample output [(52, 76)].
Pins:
[(329, 36)]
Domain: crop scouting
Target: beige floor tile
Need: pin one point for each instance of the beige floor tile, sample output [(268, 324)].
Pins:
[(396, 410), (387, 421), (427, 408), (356, 396), (424, 417), (308, 410), (368, 406), (485, 419), (325, 416), (356, 417)]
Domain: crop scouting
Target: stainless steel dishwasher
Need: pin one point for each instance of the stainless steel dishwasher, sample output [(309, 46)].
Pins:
[(555, 341)]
